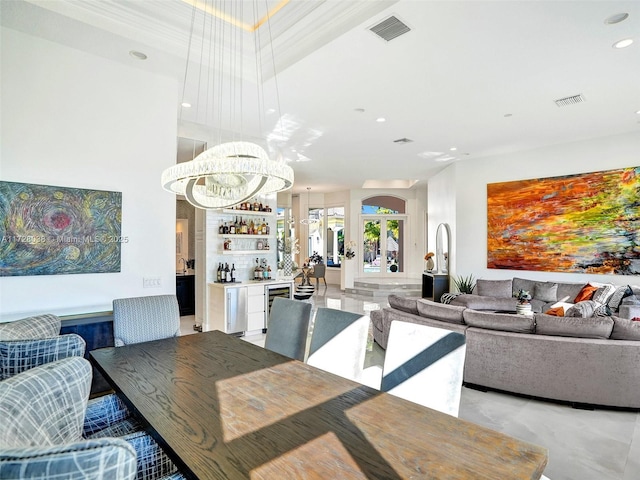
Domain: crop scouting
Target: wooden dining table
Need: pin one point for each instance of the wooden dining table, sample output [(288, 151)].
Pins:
[(223, 408)]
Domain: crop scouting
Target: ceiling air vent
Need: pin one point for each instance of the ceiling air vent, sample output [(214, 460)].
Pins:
[(390, 28), (563, 102), (403, 140)]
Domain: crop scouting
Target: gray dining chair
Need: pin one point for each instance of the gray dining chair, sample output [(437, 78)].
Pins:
[(288, 327), (319, 271), (339, 342), (425, 365), (142, 319)]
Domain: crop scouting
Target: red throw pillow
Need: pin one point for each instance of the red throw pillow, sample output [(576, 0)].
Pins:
[(556, 312), (586, 293)]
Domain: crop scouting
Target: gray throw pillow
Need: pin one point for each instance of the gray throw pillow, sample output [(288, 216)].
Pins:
[(604, 292), (495, 288), (547, 292), (584, 309), (616, 299)]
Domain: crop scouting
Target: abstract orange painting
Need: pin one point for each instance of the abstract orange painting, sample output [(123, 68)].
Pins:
[(586, 223)]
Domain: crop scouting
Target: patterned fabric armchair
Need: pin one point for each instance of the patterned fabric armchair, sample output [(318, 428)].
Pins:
[(17, 356), (31, 328), (43, 412), (104, 417), (142, 319)]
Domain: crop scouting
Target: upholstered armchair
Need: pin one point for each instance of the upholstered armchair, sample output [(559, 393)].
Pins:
[(17, 356), (104, 417), (31, 328), (43, 412)]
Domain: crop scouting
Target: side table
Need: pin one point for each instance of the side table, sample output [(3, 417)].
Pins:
[(434, 285)]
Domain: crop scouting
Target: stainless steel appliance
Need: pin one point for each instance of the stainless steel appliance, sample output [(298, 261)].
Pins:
[(236, 310)]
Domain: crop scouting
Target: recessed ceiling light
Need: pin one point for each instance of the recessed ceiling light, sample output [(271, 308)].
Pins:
[(453, 149), (623, 43), (638, 112), (186, 105), (359, 110), (508, 114), (617, 18), (137, 55), (381, 119)]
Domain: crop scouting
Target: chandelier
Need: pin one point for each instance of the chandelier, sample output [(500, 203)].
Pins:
[(230, 172)]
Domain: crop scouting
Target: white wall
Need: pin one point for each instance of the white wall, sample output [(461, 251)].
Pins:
[(441, 208), (76, 120), (472, 177)]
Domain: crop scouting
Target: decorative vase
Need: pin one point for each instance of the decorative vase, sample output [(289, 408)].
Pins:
[(430, 264), (288, 265), (523, 309)]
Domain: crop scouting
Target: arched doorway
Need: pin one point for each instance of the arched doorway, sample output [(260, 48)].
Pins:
[(383, 220)]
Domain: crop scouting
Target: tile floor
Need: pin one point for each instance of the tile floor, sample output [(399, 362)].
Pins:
[(583, 444)]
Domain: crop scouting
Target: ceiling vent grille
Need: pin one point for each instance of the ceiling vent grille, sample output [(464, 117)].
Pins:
[(390, 28), (563, 102), (403, 140)]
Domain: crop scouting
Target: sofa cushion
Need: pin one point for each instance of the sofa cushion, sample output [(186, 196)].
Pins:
[(478, 302), (406, 304), (624, 329), (495, 288), (594, 327), (618, 295), (523, 284), (440, 311), (547, 291), (568, 291), (499, 321), (604, 292), (585, 293), (584, 309)]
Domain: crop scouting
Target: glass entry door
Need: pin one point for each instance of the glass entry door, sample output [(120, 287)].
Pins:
[(383, 238)]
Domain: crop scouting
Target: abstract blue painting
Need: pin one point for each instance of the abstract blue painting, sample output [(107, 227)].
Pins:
[(48, 230)]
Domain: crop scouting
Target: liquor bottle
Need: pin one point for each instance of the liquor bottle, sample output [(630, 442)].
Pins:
[(233, 272), (225, 228), (232, 228), (245, 229), (221, 228), (227, 273), (251, 228), (268, 230), (219, 273), (263, 227), (256, 271), (269, 272)]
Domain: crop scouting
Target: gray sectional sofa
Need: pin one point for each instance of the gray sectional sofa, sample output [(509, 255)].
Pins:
[(592, 361)]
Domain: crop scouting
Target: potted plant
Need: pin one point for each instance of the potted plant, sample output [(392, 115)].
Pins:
[(315, 259), (523, 307), (465, 284)]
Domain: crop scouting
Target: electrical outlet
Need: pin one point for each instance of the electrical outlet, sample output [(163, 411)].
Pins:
[(151, 282)]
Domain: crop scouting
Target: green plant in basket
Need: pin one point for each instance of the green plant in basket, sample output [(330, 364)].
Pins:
[(465, 284)]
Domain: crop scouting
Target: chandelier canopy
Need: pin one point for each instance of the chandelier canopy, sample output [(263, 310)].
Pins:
[(230, 172)]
